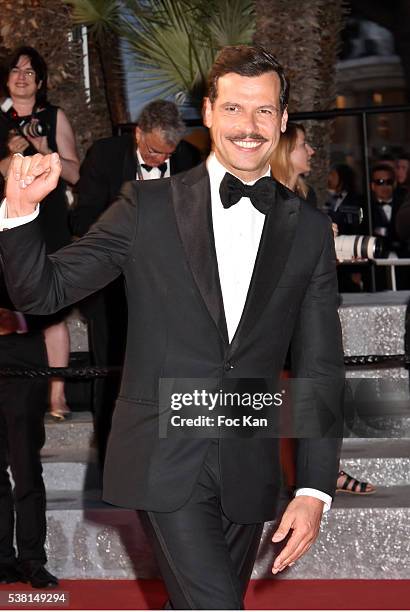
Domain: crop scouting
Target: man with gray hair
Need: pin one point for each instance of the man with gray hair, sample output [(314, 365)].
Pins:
[(153, 150)]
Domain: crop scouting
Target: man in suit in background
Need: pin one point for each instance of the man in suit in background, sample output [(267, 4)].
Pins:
[(153, 150), (225, 269)]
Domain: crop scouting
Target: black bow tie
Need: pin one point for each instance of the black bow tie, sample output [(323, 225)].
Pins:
[(261, 194), (162, 168)]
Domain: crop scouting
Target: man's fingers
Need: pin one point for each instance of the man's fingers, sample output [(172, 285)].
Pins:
[(55, 168), (16, 164), (44, 166), (289, 556), (25, 165), (283, 529), (297, 539)]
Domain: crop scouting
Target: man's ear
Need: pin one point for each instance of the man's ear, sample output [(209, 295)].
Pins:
[(137, 135), (284, 120), (207, 112)]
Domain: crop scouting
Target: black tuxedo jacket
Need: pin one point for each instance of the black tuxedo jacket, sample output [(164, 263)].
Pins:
[(380, 221), (109, 163), (159, 235)]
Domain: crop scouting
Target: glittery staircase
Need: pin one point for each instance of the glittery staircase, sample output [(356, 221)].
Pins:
[(366, 537), (362, 537)]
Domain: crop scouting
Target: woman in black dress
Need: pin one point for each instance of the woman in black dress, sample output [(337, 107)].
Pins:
[(29, 124)]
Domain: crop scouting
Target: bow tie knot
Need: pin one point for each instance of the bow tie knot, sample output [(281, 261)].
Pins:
[(162, 168), (261, 194)]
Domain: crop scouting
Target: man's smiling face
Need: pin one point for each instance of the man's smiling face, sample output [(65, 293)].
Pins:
[(245, 122)]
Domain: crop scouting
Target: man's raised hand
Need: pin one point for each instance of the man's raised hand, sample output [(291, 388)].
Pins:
[(30, 180)]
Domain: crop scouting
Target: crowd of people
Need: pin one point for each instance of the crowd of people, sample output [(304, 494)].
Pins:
[(155, 149)]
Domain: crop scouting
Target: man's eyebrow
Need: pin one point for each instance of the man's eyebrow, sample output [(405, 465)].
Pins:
[(228, 103)]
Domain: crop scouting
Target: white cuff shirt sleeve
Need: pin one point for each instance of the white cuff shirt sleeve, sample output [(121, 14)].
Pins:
[(324, 497), (6, 223)]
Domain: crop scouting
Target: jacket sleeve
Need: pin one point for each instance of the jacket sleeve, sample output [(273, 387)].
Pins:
[(317, 364), (41, 284)]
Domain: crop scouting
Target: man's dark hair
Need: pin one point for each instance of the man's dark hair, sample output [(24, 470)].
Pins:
[(39, 66), (383, 168), (247, 61), (347, 178), (164, 116)]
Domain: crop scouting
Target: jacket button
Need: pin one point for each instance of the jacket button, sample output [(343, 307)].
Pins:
[(228, 366)]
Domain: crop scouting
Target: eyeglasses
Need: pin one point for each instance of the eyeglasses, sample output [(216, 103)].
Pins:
[(29, 74), (155, 152), (381, 181)]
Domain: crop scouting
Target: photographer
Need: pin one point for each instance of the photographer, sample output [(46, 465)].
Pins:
[(30, 124)]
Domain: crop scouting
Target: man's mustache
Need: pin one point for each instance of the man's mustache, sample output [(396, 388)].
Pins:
[(252, 136)]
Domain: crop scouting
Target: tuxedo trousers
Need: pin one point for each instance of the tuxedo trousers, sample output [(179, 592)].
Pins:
[(205, 559), (22, 435)]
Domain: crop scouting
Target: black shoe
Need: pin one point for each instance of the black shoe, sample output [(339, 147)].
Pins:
[(10, 573), (38, 576)]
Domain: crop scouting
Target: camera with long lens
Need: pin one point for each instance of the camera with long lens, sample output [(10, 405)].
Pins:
[(359, 247), (347, 217)]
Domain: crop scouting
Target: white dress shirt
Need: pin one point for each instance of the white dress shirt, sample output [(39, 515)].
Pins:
[(237, 233), (155, 173)]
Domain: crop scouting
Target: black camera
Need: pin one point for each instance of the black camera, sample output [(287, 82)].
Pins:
[(348, 218), (32, 127), (29, 126)]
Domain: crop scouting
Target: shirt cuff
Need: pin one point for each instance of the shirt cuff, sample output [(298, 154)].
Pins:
[(324, 497), (6, 223)]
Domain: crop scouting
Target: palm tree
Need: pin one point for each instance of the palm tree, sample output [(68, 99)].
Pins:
[(306, 39), (102, 16), (171, 43)]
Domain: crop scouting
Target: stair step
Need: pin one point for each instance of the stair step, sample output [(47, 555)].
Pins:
[(375, 447), (380, 472), (75, 432), (361, 537)]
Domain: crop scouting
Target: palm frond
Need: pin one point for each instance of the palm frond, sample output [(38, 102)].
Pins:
[(172, 43), (99, 15), (234, 23)]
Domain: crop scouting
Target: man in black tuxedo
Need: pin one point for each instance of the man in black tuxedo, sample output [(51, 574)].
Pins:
[(153, 150), (386, 201), (224, 270), (385, 205)]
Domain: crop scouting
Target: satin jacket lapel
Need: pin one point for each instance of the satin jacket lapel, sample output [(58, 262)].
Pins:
[(276, 241), (191, 197)]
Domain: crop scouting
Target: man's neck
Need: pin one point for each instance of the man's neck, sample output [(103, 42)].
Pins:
[(244, 176)]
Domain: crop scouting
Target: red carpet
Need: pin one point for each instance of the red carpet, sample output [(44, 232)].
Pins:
[(262, 594)]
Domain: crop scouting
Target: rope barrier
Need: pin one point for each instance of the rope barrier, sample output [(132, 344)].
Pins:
[(90, 372), (79, 373)]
